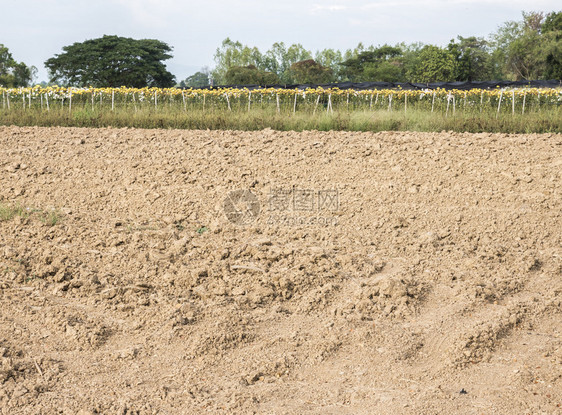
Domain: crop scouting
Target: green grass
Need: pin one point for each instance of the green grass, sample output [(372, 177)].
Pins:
[(50, 218), (548, 120), (202, 229), (9, 212)]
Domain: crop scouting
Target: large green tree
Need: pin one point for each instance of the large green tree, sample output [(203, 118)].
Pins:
[(330, 58), (113, 61), (13, 73), (310, 72), (353, 53), (250, 75), (527, 49), (526, 53), (197, 80), (283, 58), (552, 31), (471, 54), (234, 54), (433, 64), (375, 64)]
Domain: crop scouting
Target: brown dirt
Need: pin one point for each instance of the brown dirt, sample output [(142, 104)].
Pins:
[(439, 271)]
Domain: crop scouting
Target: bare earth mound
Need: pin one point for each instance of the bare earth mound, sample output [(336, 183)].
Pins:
[(365, 273)]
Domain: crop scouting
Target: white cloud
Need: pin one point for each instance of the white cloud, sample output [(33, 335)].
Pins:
[(522, 4), (195, 29), (151, 13), (316, 8)]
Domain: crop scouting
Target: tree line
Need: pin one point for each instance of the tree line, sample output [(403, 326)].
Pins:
[(13, 73), (530, 48), (527, 49)]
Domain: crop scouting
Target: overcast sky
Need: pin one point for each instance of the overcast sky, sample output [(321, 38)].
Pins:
[(35, 30)]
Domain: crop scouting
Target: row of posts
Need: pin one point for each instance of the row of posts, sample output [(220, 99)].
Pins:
[(329, 107)]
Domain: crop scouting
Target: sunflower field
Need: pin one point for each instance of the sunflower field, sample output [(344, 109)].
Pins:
[(503, 110), (311, 100)]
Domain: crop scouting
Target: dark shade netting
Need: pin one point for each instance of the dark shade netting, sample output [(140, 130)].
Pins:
[(553, 83)]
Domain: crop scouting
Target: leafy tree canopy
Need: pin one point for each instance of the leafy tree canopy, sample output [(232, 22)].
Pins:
[(113, 61), (13, 73), (250, 75), (310, 72), (278, 59), (471, 55), (528, 49), (553, 23), (330, 58), (234, 54), (375, 64), (197, 80), (552, 31), (433, 64)]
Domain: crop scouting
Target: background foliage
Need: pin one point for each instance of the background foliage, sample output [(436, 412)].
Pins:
[(13, 73), (527, 49), (530, 48)]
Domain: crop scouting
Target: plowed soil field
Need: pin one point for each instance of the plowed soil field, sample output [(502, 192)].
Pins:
[(184, 272)]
